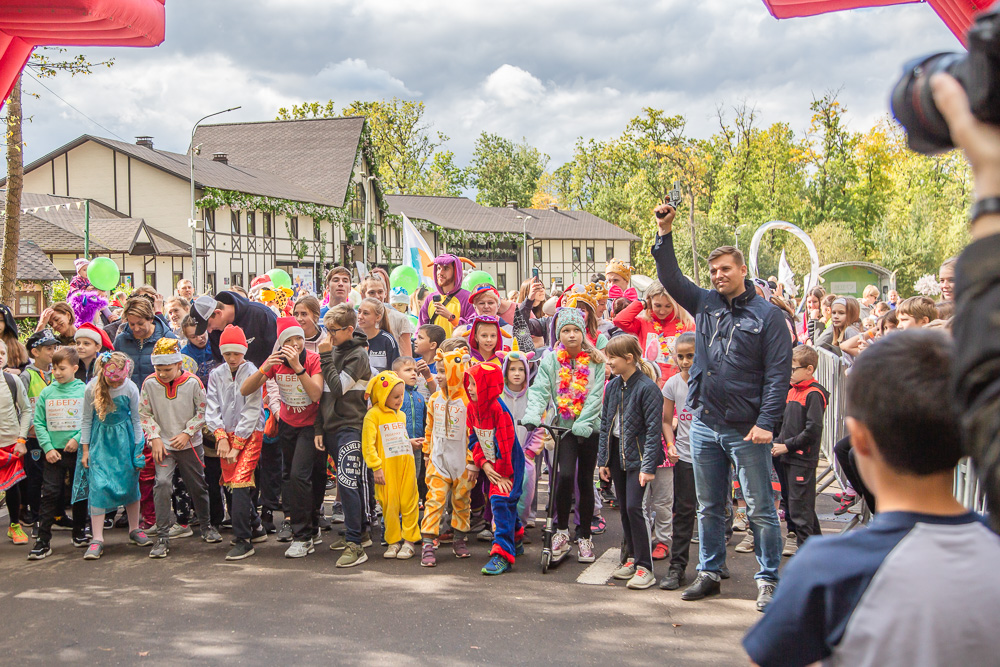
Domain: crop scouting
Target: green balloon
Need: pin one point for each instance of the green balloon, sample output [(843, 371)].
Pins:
[(406, 277), (103, 273), (413, 318), (280, 278), (477, 278)]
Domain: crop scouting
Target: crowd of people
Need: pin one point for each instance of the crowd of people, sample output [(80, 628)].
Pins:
[(681, 407)]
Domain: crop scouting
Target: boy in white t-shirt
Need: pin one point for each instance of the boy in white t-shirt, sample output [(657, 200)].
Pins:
[(675, 392)]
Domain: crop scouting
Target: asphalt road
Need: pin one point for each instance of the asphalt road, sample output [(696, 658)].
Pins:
[(194, 607)]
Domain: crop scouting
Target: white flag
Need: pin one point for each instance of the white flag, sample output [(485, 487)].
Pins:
[(417, 253), (785, 275)]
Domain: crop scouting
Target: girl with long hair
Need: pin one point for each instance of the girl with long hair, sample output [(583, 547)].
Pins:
[(656, 322)]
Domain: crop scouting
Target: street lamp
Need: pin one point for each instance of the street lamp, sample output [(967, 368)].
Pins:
[(367, 180), (524, 242), (192, 222)]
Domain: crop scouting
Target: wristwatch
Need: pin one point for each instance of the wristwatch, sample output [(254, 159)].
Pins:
[(988, 206)]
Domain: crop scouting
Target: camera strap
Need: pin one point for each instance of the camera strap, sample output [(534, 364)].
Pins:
[(988, 206)]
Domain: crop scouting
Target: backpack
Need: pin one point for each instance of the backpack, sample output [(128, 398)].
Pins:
[(13, 390)]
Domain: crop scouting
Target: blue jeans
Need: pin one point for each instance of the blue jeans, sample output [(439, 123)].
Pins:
[(354, 480), (712, 452)]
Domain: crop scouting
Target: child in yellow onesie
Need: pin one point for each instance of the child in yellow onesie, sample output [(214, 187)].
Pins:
[(389, 454)]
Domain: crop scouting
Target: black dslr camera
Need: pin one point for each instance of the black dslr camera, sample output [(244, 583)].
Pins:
[(978, 72)]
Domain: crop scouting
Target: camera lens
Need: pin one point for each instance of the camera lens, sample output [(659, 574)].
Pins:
[(913, 104)]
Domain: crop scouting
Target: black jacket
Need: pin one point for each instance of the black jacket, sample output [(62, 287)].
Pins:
[(743, 354), (258, 322), (639, 406), (802, 428), (346, 372)]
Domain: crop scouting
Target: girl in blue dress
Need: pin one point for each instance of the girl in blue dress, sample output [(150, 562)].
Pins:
[(111, 442)]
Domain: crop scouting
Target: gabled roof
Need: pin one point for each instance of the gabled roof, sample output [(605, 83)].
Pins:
[(317, 153), (32, 264), (559, 224), (451, 213), (207, 172), (60, 229)]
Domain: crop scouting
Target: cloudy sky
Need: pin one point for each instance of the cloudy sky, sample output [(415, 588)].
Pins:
[(546, 70)]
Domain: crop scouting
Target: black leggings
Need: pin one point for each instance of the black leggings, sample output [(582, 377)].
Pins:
[(14, 503), (844, 456), (630, 496), (577, 461)]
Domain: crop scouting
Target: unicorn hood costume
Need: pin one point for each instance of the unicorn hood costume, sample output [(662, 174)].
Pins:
[(455, 299)]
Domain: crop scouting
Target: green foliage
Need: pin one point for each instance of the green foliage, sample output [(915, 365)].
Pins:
[(503, 171), (60, 290)]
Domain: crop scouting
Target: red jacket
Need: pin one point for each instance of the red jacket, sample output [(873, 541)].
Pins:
[(651, 342), (491, 428)]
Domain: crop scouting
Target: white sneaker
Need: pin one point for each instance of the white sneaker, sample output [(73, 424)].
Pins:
[(392, 551), (177, 530), (741, 524), (585, 550), (791, 545), (626, 571), (643, 579), (560, 545), (299, 549), (746, 546)]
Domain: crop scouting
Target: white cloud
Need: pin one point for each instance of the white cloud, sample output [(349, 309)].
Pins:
[(512, 86)]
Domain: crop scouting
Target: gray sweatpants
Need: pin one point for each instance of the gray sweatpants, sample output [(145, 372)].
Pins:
[(191, 464), (659, 499)]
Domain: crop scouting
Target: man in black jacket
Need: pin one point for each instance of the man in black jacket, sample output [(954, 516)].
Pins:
[(258, 322), (737, 391)]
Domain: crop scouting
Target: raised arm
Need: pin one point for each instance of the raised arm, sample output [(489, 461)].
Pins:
[(668, 272)]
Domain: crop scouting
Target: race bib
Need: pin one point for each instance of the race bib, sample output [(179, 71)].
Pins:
[(449, 421), (293, 394), (488, 443), (64, 414), (395, 441)]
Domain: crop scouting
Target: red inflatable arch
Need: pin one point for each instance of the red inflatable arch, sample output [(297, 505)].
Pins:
[(957, 14), (25, 24)]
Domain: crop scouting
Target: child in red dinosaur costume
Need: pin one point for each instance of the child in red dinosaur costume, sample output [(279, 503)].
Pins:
[(496, 452)]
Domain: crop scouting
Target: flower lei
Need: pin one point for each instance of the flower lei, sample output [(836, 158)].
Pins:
[(665, 341), (572, 383)]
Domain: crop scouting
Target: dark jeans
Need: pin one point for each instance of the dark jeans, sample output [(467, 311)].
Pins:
[(845, 457), (53, 482), (218, 496), (685, 513), (31, 486), (630, 495), (243, 513), (781, 471), (577, 460), (802, 499), (318, 487), (13, 500), (269, 476), (354, 481), (301, 458)]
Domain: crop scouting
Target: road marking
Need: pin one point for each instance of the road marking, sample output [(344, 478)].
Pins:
[(601, 570)]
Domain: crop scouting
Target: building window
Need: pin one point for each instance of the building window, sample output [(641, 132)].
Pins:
[(502, 283), (177, 277), (236, 279), (28, 304), (536, 254), (268, 230), (590, 254), (317, 230), (235, 217), (149, 277), (209, 216), (126, 280), (251, 223), (576, 255), (210, 279), (357, 208), (293, 225), (610, 254)]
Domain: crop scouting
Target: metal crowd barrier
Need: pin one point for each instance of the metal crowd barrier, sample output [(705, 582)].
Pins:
[(832, 374)]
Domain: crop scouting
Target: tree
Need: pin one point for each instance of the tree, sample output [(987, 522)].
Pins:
[(829, 151), (42, 64), (502, 171)]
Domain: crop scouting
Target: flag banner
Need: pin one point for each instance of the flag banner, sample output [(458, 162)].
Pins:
[(417, 253), (785, 275)]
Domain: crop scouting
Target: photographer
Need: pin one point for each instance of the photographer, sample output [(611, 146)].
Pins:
[(977, 293), (738, 387)]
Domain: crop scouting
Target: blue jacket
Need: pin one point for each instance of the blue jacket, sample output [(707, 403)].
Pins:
[(139, 351), (415, 410), (258, 322), (743, 354), (639, 406), (204, 358)]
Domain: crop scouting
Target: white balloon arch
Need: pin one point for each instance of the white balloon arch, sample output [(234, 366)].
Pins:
[(812, 279)]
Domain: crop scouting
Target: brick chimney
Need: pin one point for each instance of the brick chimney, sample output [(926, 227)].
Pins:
[(145, 142), (220, 157)]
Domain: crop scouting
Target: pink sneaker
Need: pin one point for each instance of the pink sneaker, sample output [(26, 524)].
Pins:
[(461, 548), (560, 545), (428, 557)]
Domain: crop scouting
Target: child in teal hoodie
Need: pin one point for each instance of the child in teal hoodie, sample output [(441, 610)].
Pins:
[(58, 418)]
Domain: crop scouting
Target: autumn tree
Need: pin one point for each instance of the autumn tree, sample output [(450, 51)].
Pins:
[(503, 171)]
